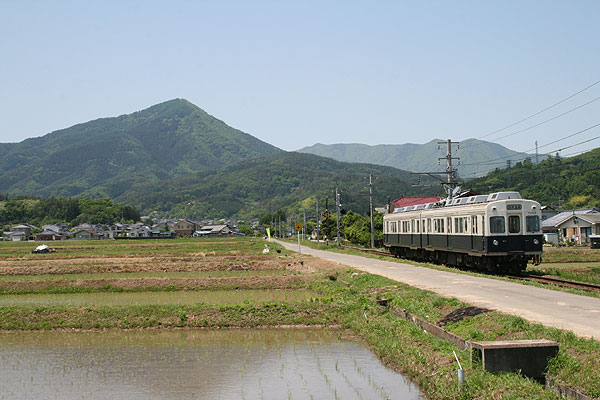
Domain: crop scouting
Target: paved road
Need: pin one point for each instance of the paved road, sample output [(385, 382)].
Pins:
[(580, 314)]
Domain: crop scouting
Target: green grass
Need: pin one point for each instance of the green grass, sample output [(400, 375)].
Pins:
[(346, 300), (592, 276), (157, 298), (580, 271), (127, 275), (570, 254), (225, 246)]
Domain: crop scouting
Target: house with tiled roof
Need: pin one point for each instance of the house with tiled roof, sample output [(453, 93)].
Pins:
[(574, 225), (413, 201)]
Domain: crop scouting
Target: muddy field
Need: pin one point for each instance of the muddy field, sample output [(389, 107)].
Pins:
[(23, 272)]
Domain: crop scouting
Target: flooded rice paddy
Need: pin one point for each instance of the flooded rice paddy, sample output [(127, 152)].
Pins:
[(199, 364), (153, 298)]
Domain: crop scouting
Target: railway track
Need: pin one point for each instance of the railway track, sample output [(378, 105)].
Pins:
[(545, 279), (371, 251), (556, 281)]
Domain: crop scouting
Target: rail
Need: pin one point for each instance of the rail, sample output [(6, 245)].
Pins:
[(545, 279), (554, 280)]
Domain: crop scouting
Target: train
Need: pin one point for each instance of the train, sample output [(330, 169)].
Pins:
[(496, 233)]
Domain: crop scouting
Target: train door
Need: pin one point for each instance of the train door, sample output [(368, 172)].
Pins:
[(428, 233)]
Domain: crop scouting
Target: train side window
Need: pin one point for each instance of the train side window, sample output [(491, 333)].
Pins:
[(533, 223), (474, 219), (429, 225), (514, 224), (449, 225), (497, 225), (442, 225), (466, 223), (483, 224), (417, 226)]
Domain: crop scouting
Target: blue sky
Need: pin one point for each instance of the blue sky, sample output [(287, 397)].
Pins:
[(297, 73)]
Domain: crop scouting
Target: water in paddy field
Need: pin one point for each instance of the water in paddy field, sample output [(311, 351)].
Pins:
[(194, 364)]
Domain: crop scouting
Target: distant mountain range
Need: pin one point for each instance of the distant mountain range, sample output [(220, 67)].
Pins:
[(175, 159), (421, 157)]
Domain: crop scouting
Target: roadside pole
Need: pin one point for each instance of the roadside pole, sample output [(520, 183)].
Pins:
[(298, 229)]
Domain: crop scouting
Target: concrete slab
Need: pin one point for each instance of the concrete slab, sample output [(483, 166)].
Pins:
[(530, 357)]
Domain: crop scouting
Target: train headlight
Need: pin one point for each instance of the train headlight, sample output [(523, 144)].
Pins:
[(535, 241), (495, 242)]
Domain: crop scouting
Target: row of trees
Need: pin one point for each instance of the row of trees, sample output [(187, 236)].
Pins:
[(354, 227), (40, 211)]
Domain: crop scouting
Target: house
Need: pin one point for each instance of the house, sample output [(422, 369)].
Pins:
[(16, 236), (184, 227), (548, 212), (574, 225), (142, 232), (26, 229), (49, 235), (58, 228), (117, 230), (86, 234), (411, 201), (213, 230)]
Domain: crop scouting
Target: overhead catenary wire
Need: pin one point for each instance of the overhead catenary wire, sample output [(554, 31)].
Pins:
[(556, 150), (474, 145), (487, 162), (578, 171), (548, 120), (541, 111)]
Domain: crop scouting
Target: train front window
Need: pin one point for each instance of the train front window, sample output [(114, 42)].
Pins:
[(533, 223), (514, 224), (497, 225)]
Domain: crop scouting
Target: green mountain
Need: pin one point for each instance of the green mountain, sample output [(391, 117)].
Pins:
[(175, 159), (418, 157), (571, 182), (111, 156), (291, 181)]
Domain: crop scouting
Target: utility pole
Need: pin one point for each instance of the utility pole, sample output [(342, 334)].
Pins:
[(318, 220), (337, 213), (450, 171), (371, 210), (451, 182), (537, 161), (304, 226), (509, 181), (559, 204), (327, 234)]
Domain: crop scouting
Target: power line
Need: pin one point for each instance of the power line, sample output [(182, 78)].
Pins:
[(569, 136), (548, 120), (552, 151), (541, 111), (547, 144)]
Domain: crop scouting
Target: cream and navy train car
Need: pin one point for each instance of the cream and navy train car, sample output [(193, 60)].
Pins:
[(498, 233)]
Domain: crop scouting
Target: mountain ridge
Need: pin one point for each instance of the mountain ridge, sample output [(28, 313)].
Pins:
[(418, 157), (103, 156)]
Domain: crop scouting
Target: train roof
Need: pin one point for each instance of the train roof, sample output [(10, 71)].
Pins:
[(460, 201)]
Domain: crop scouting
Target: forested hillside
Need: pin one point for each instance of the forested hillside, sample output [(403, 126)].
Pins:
[(573, 182), (292, 181), (109, 156), (38, 211)]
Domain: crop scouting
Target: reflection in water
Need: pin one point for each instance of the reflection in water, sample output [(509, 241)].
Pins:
[(194, 364)]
